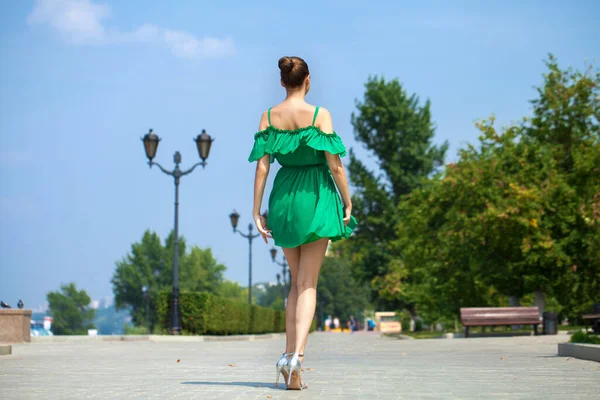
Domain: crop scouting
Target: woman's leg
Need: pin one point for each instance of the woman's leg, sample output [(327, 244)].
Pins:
[(311, 258), (293, 258)]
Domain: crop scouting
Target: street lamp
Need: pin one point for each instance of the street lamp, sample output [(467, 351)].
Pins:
[(203, 143), (284, 266), (235, 217), (146, 293)]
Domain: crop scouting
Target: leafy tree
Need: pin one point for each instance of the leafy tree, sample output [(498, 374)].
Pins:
[(270, 296), (519, 214), (398, 131), (70, 311), (150, 264), (338, 292), (232, 290)]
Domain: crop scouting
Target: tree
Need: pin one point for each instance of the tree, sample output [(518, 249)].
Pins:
[(232, 290), (338, 292), (70, 311), (269, 296), (398, 131), (517, 215), (150, 264)]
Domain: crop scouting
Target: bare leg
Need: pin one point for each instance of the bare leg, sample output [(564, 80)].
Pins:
[(311, 258), (293, 258)]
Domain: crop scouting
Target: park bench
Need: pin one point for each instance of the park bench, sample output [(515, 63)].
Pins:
[(593, 319), (498, 316)]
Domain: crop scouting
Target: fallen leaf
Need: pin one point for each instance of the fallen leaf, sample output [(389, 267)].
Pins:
[(309, 369), (178, 360), (502, 358), (269, 397), (231, 365)]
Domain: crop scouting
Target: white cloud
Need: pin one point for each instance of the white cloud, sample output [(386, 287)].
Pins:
[(82, 22)]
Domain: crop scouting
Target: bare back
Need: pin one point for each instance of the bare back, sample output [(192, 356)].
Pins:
[(291, 115)]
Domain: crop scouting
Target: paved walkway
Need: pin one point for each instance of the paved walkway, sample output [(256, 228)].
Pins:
[(338, 366)]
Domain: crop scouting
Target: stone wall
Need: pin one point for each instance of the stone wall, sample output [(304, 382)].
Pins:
[(15, 325)]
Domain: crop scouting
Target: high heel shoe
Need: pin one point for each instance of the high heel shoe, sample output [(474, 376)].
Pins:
[(282, 368), (294, 381)]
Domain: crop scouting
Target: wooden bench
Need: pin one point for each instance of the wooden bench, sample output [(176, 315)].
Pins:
[(593, 319), (498, 316)]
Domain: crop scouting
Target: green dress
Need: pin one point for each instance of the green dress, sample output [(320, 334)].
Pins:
[(304, 205)]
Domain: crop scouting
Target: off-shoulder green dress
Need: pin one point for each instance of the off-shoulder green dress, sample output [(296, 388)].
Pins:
[(304, 205)]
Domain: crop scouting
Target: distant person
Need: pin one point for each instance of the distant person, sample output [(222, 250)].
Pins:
[(305, 211), (371, 325), (328, 322), (336, 322), (352, 324)]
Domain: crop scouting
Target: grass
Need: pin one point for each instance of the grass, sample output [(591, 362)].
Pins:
[(570, 328), (582, 337)]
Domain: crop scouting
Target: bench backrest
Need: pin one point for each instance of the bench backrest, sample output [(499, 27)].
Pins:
[(479, 316)]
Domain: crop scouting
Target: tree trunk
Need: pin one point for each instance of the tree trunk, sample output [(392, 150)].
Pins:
[(514, 301)]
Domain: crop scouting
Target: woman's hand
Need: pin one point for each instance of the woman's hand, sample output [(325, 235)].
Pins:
[(347, 214), (263, 229)]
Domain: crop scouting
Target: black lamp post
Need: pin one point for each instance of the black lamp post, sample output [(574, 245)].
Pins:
[(203, 143), (235, 217), (284, 266)]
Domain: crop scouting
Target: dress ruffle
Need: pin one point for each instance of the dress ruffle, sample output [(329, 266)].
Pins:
[(278, 141)]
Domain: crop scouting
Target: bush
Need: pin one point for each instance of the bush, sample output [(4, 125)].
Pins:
[(135, 330), (582, 337), (206, 314), (279, 321)]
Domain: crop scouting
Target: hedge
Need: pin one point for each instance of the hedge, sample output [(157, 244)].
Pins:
[(206, 314)]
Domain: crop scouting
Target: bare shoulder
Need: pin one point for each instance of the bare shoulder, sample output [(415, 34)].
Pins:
[(324, 121), (264, 121)]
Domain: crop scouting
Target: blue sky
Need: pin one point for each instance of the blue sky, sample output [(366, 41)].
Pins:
[(82, 81)]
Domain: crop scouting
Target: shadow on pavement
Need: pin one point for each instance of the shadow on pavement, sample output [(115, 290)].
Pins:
[(269, 385)]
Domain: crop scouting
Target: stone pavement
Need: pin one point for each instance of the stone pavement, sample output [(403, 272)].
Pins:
[(338, 366)]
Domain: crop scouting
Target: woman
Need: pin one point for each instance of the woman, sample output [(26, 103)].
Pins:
[(305, 211)]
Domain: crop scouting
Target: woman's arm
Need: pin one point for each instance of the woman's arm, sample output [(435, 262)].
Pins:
[(263, 166), (335, 165)]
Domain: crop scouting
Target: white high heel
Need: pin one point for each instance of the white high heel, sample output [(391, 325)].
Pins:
[(295, 373), (282, 367)]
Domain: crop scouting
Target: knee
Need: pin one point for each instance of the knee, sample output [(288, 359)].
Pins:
[(304, 284)]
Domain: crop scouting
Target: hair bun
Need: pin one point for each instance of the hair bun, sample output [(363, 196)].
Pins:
[(286, 64)]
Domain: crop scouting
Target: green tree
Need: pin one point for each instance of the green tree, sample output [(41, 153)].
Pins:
[(398, 132), (232, 290), (70, 311), (338, 292), (150, 264), (516, 215), (270, 296)]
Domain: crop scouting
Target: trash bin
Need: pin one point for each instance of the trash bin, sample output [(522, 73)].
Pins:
[(550, 323)]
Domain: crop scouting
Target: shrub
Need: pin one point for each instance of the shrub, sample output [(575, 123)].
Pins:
[(207, 314), (582, 337)]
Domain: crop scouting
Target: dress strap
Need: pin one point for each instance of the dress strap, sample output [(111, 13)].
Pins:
[(315, 116), (269, 116)]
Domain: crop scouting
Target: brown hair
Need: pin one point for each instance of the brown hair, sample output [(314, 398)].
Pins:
[(294, 71)]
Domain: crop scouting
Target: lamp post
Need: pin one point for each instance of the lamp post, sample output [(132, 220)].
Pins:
[(284, 266), (146, 293), (203, 143), (235, 217)]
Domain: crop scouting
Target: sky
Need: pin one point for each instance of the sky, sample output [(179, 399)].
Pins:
[(81, 81)]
